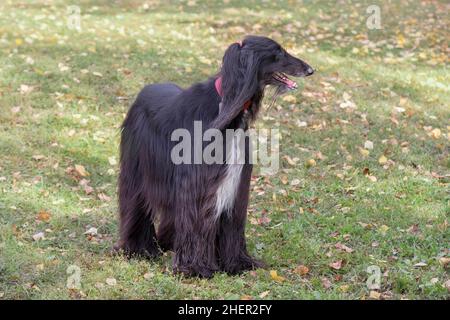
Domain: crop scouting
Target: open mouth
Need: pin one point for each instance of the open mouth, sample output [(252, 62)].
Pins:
[(283, 78)]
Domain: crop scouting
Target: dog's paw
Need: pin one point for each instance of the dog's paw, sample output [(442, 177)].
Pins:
[(195, 271), (132, 252), (242, 264)]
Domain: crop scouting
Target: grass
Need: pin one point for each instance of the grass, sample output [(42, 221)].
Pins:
[(64, 93)]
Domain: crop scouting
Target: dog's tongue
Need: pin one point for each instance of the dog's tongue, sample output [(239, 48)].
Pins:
[(291, 84)]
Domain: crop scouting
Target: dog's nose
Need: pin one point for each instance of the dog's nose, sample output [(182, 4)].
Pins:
[(310, 71)]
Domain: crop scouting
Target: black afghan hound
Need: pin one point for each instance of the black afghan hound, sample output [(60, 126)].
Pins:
[(199, 209)]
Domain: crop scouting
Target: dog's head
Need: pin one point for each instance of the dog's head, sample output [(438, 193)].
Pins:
[(248, 67)]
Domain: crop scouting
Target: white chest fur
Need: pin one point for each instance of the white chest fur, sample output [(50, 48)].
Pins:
[(227, 191)]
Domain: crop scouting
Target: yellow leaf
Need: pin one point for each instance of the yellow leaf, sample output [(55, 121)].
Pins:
[(401, 40), (375, 295), (275, 276), (344, 288), (81, 170), (364, 152), (382, 160), (383, 229), (310, 163), (436, 133), (290, 98)]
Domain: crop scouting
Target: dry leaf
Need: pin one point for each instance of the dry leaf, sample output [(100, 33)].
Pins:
[(374, 295), (420, 264), (382, 160), (44, 216), (104, 197), (276, 277), (337, 265), (368, 145), (290, 98), (326, 283), (301, 270), (383, 229), (38, 236), (343, 247), (364, 152), (310, 163), (92, 231), (444, 261), (264, 294), (111, 281), (81, 170)]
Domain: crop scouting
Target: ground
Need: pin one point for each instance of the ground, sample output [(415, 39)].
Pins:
[(362, 191)]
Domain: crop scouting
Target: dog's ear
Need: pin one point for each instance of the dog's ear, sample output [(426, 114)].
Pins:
[(239, 82)]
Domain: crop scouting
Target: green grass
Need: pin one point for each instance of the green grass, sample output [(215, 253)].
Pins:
[(398, 222)]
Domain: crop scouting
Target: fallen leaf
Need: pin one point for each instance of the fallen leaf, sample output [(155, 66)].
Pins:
[(301, 270), (111, 281), (92, 231), (290, 98), (382, 160), (25, 89), (44, 216), (104, 197), (383, 229), (112, 161), (343, 247), (337, 265), (344, 288), (374, 295), (15, 109), (326, 283), (364, 152), (444, 261), (276, 277), (81, 170), (264, 294), (38, 236), (368, 145), (310, 163), (420, 264), (436, 133)]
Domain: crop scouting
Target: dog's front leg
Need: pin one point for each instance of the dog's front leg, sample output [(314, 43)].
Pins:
[(195, 234), (232, 249)]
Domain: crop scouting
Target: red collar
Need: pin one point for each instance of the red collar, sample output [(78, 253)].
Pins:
[(218, 84)]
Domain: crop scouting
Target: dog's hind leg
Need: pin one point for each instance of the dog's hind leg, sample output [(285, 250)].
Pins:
[(231, 244), (137, 229), (137, 232)]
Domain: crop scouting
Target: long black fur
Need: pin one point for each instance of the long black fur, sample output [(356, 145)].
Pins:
[(180, 199)]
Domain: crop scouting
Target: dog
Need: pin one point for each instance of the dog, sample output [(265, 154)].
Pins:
[(200, 209)]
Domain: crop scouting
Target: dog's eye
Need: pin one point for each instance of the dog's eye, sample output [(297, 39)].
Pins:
[(279, 56)]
